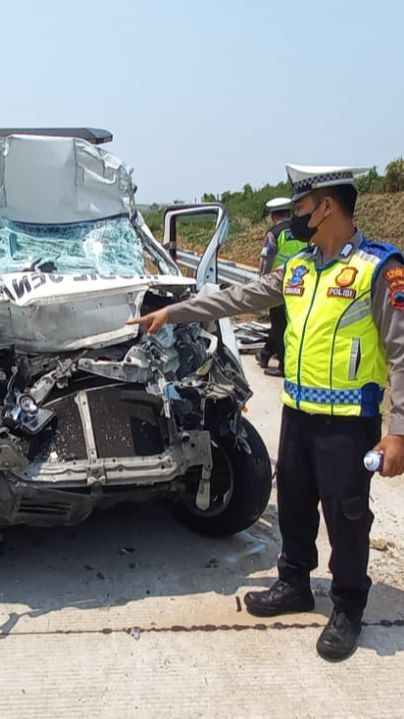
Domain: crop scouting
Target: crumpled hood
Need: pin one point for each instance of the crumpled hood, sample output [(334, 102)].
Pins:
[(42, 312)]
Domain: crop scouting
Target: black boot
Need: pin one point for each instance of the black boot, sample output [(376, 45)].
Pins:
[(274, 372), (263, 358), (339, 638), (281, 598)]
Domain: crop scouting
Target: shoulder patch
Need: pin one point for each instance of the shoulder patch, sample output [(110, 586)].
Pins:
[(394, 277)]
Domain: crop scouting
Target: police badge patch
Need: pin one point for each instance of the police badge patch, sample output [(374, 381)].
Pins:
[(344, 279)]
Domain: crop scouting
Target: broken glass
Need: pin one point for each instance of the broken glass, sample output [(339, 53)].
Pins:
[(103, 247)]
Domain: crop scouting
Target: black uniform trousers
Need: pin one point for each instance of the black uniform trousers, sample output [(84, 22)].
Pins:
[(321, 460), (274, 344)]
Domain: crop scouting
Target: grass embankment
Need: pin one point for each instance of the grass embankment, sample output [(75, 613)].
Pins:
[(379, 216)]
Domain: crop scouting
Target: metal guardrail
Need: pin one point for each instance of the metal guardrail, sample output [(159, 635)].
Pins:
[(227, 271)]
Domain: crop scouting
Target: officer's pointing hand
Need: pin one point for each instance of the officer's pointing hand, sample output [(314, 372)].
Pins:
[(153, 321), (392, 447)]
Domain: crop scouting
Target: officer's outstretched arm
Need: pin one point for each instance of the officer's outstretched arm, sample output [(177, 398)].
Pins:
[(153, 321), (252, 297)]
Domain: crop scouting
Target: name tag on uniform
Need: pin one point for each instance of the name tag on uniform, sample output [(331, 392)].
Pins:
[(345, 292), (296, 291)]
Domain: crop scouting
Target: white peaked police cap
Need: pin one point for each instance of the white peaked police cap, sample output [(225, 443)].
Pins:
[(278, 204), (306, 178)]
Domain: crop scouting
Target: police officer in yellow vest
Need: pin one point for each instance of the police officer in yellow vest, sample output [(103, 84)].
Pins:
[(279, 246), (344, 297)]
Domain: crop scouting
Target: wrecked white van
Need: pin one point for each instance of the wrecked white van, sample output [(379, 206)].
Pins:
[(95, 412)]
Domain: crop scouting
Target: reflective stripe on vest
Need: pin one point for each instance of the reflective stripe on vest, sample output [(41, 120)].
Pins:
[(330, 396), (335, 361)]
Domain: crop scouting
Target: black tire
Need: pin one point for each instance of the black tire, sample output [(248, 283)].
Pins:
[(244, 479)]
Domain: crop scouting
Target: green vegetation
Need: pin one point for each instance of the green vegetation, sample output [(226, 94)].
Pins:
[(392, 181), (249, 204), (380, 214)]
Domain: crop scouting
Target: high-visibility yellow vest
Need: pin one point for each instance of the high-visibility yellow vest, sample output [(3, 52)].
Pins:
[(335, 361), (287, 245)]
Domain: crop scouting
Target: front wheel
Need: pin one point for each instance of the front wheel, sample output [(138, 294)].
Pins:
[(240, 487)]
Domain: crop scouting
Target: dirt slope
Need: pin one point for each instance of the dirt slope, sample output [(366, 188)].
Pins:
[(380, 217)]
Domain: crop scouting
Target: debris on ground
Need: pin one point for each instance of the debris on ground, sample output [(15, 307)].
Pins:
[(251, 335), (126, 550), (381, 545), (135, 633), (212, 563)]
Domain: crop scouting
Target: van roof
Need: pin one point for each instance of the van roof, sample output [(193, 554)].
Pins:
[(91, 134)]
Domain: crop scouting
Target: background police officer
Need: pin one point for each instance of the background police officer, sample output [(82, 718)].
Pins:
[(279, 245), (345, 308)]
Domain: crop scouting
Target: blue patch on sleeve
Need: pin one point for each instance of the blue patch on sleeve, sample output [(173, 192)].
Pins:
[(383, 251)]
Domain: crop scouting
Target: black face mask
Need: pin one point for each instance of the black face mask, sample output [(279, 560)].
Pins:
[(300, 229)]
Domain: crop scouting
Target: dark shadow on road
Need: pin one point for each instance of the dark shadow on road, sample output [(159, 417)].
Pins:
[(126, 554), (141, 551), (385, 641)]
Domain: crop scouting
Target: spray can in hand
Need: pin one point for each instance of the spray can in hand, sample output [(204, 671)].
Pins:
[(373, 460)]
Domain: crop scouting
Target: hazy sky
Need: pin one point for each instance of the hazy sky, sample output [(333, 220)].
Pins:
[(207, 96)]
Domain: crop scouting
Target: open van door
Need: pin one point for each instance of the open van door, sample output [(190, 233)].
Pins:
[(207, 271)]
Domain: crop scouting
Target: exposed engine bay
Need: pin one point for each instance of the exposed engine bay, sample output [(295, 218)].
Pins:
[(139, 412)]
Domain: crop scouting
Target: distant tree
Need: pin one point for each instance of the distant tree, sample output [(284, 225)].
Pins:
[(225, 196), (395, 175), (372, 182), (208, 197)]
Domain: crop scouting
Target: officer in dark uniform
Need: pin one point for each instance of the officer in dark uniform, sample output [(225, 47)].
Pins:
[(344, 296), (279, 245)]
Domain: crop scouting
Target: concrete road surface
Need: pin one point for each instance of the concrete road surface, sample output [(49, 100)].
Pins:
[(130, 615)]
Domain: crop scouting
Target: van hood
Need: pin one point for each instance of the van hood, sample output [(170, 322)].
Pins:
[(42, 312)]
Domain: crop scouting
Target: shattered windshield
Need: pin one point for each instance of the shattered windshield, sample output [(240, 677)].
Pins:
[(103, 247)]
